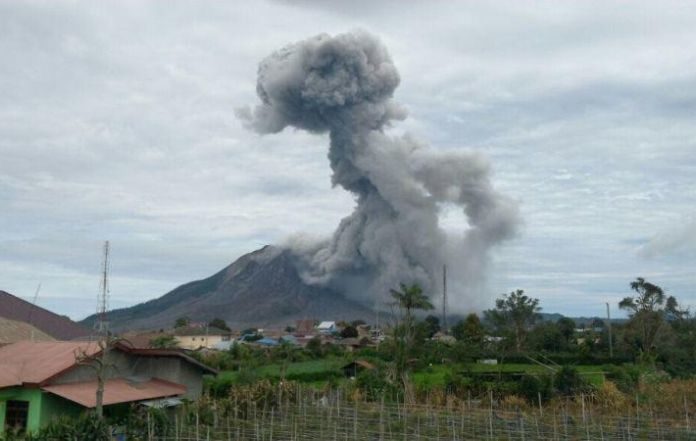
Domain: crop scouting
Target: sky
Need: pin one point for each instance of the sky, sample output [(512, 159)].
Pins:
[(117, 122)]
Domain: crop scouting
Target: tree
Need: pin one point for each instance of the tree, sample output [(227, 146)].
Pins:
[(470, 330), (408, 299), (514, 314), (647, 311), (165, 341), (182, 322), (432, 326), (219, 324), (349, 332)]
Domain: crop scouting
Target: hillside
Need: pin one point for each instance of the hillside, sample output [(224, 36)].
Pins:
[(260, 288), (56, 326)]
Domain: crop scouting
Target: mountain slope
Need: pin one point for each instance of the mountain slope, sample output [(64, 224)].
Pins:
[(57, 326), (260, 288)]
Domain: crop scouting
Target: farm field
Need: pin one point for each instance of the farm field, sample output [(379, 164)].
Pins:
[(321, 371)]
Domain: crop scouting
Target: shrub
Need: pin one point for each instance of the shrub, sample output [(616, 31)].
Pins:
[(375, 385), (626, 378), (532, 387), (86, 427), (569, 382)]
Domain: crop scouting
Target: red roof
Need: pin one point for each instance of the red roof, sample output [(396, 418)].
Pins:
[(117, 390), (36, 362), (28, 362), (57, 326)]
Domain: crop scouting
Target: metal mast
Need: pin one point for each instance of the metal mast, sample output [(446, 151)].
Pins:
[(444, 299), (102, 322), (611, 343)]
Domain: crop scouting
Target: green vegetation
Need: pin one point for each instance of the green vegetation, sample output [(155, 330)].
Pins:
[(510, 361)]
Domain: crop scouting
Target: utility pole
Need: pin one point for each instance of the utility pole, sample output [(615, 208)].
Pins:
[(31, 311), (104, 340), (444, 299), (102, 323), (611, 343)]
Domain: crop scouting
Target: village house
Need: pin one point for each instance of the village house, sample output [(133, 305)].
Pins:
[(198, 337), (304, 328), (40, 381), (327, 327), (352, 369)]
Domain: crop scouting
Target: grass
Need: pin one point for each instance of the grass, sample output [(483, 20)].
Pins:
[(318, 372), (314, 371), (436, 375)]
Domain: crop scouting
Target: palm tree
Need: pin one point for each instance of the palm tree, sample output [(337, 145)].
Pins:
[(410, 298)]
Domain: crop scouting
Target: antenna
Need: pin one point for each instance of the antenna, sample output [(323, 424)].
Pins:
[(31, 311), (611, 344), (102, 324), (444, 299)]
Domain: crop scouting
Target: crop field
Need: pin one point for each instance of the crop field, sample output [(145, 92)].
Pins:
[(310, 415), (321, 371)]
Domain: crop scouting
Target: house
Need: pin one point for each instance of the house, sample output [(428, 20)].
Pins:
[(327, 327), (40, 381), (197, 337), (267, 342), (57, 326), (351, 370), (304, 328), (444, 338), (350, 344)]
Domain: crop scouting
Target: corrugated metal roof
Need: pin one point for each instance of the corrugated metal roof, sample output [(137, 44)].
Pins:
[(169, 353), (117, 390), (57, 326), (36, 362), (12, 331)]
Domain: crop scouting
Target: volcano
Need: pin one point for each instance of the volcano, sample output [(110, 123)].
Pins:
[(262, 288)]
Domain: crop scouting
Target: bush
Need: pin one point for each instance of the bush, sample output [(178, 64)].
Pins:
[(532, 387), (87, 427), (569, 382), (626, 378), (375, 385)]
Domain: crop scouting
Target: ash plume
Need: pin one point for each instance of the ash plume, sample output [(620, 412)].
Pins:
[(343, 85)]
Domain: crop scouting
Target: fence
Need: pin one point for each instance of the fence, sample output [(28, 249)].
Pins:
[(331, 417)]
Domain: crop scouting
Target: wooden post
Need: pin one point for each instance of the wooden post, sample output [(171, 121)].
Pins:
[(490, 413)]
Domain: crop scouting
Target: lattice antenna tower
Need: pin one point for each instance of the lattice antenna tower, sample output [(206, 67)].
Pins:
[(444, 299), (102, 324)]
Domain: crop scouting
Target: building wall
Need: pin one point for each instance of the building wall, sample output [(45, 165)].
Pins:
[(43, 407), (53, 406), (173, 369), (33, 396), (199, 341), (120, 365)]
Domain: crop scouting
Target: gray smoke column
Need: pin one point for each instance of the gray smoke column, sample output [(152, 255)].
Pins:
[(344, 85)]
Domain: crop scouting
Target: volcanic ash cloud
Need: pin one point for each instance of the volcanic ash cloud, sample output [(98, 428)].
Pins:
[(344, 85)]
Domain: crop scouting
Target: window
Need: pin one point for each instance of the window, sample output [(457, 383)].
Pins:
[(16, 415)]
